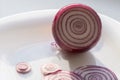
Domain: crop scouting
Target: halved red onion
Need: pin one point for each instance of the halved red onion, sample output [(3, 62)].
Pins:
[(63, 75), (50, 68), (76, 28), (92, 72), (23, 67)]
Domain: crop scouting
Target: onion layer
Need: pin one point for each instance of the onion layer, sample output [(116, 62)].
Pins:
[(23, 67), (76, 28), (50, 68), (92, 72), (63, 75)]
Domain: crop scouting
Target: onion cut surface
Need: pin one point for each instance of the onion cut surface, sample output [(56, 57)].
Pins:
[(92, 72), (76, 27), (63, 75)]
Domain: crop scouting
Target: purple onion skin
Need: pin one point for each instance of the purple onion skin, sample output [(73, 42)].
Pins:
[(66, 48), (83, 69)]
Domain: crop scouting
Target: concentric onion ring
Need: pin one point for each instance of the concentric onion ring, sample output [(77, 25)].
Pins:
[(76, 28), (92, 72), (63, 75)]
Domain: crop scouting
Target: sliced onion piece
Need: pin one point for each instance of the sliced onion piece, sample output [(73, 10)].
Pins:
[(50, 68), (54, 45), (76, 28), (63, 75), (92, 72), (23, 67)]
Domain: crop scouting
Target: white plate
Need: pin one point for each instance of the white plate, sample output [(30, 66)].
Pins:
[(27, 37)]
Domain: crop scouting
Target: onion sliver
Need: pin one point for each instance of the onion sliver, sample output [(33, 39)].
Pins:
[(92, 72), (63, 75), (50, 68), (76, 28), (23, 67)]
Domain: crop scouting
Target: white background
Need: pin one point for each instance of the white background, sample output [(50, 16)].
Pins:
[(106, 7)]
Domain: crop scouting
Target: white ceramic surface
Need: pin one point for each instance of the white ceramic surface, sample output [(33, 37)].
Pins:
[(27, 37), (11, 7)]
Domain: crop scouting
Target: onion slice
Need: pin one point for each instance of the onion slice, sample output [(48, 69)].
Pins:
[(76, 28), (63, 75), (92, 72), (50, 68), (23, 67)]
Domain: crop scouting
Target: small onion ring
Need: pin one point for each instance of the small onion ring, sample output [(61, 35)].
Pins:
[(76, 28), (23, 67), (93, 72), (50, 68), (63, 75)]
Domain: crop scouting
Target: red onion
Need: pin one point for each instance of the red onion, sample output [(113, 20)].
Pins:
[(23, 67), (63, 75), (76, 28), (50, 68), (92, 72)]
